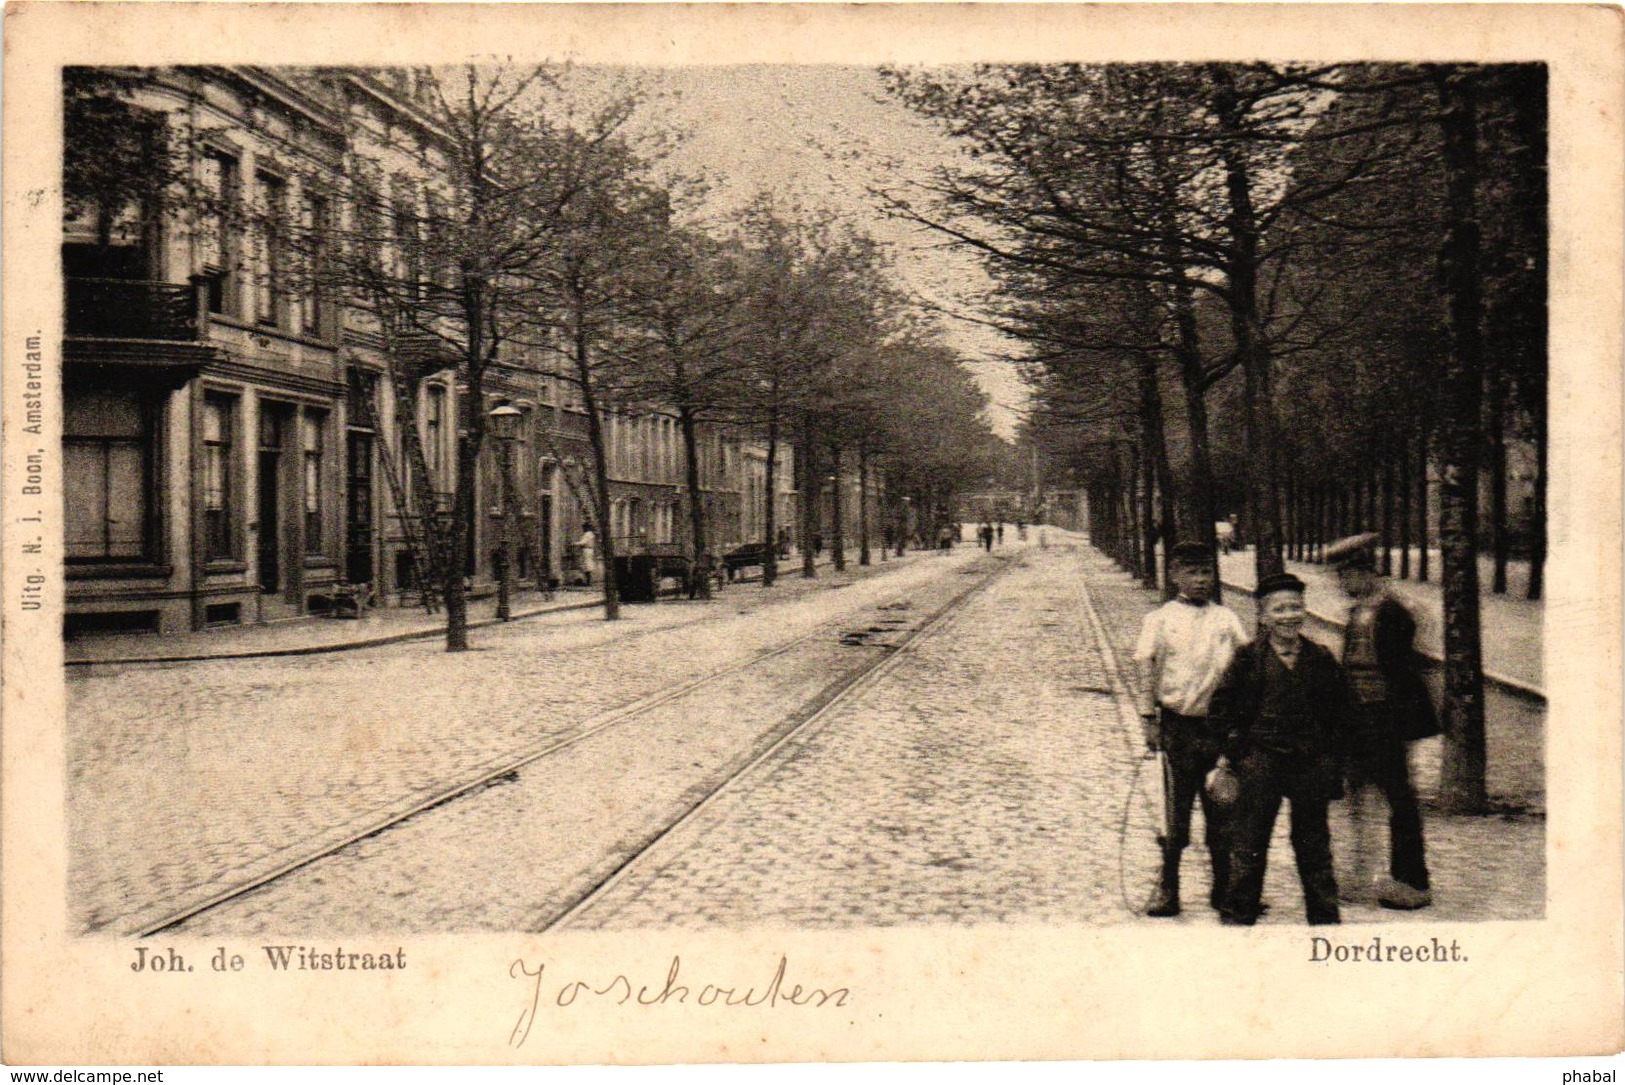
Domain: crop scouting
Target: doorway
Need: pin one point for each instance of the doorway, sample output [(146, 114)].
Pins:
[(273, 419)]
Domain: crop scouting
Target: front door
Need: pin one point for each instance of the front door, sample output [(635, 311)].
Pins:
[(358, 527), (270, 504), (544, 537)]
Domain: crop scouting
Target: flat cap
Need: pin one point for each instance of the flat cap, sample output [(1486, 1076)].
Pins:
[(1353, 552), (1191, 553), (1277, 582)]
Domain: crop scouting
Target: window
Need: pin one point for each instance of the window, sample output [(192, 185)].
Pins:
[(217, 435), (437, 246), (269, 258), (310, 443), (318, 226), (434, 435), (107, 449), (217, 245), (362, 398), (408, 268)]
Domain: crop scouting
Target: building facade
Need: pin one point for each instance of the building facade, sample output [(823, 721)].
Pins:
[(233, 445)]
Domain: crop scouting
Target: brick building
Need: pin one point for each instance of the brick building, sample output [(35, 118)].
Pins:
[(231, 446)]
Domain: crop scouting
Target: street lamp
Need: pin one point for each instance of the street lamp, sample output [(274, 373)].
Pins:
[(505, 428)]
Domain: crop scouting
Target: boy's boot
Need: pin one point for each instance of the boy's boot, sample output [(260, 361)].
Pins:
[(1164, 900), (1221, 877)]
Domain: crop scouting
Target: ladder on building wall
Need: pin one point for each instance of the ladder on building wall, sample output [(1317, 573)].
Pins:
[(417, 547)]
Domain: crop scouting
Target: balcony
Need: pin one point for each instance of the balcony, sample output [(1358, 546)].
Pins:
[(123, 330), (136, 309)]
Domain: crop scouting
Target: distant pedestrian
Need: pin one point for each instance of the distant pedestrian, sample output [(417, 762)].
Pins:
[(1184, 647), (1225, 532), (1000, 530), (818, 543), (1282, 704), (986, 533), (588, 544), (1391, 708), (945, 538)]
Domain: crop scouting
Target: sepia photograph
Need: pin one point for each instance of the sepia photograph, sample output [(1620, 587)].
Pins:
[(808, 531)]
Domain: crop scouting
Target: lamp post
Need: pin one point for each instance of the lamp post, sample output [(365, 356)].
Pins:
[(505, 427)]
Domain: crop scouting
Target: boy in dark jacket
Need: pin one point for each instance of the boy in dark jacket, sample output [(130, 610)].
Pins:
[(1281, 705), (1390, 709)]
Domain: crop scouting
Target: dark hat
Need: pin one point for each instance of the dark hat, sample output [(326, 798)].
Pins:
[(1191, 553), (1277, 582), (1354, 552)]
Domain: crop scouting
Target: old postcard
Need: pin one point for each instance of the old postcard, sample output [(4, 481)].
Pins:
[(673, 533)]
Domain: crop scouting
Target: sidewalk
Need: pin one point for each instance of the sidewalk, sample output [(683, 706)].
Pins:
[(309, 635), (315, 635), (1511, 624)]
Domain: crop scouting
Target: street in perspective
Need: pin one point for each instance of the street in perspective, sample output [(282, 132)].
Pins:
[(505, 498), (941, 738)]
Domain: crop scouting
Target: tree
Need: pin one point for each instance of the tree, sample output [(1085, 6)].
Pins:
[(813, 305), (1464, 756), (1164, 174), (447, 238), (691, 355), (589, 291), (120, 162)]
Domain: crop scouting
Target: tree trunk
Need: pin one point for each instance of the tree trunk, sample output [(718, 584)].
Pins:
[(1530, 123), (1370, 495), (1537, 543), (1500, 542), (1387, 514), (581, 351), (1257, 388), (1424, 560), (863, 506), (1464, 746), (1405, 489), (1323, 520), (1159, 495), (1188, 354), (1294, 517), (1148, 519), (696, 501), (809, 498), (770, 517), (471, 406), (837, 518), (453, 585)]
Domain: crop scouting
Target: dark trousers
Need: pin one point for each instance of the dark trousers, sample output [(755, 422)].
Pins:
[(1381, 763), (1267, 778), (1192, 752)]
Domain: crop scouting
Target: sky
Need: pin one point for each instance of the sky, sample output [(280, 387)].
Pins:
[(824, 134)]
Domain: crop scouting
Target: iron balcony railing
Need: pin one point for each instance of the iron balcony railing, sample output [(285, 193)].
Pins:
[(135, 309)]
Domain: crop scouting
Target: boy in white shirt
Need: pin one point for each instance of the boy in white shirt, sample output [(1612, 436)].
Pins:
[(1184, 647)]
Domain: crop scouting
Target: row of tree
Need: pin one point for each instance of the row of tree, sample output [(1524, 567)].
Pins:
[(539, 228), (1294, 290)]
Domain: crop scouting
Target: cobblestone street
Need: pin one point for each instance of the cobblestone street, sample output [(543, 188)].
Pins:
[(991, 778), (986, 773), (186, 778)]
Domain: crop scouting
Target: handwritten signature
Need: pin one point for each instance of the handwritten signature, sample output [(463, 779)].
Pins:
[(621, 991)]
